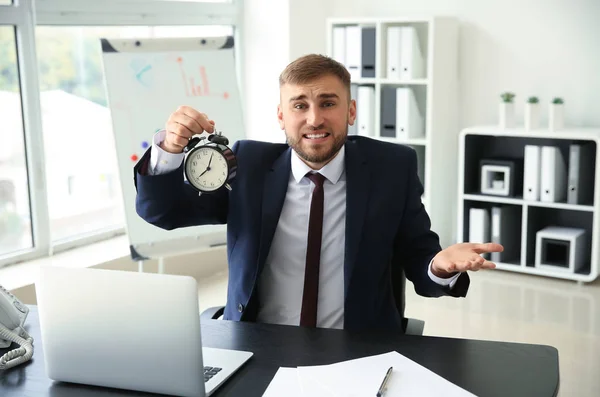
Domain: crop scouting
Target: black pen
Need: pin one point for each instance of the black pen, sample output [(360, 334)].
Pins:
[(385, 381)]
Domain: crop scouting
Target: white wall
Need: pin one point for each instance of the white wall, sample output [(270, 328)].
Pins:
[(266, 53), (545, 48), (307, 26)]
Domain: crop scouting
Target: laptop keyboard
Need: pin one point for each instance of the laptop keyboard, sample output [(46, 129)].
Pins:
[(209, 372)]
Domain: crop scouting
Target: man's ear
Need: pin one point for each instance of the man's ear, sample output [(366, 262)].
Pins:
[(280, 117), (352, 112)]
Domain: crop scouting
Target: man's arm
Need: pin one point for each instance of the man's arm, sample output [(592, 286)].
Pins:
[(416, 244), (165, 200)]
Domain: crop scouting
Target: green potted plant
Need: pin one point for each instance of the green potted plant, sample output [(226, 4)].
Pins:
[(532, 113), (556, 115), (507, 110)]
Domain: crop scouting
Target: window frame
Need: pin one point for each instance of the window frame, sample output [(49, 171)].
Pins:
[(24, 16)]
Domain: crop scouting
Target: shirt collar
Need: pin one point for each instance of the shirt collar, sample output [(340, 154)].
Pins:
[(332, 170)]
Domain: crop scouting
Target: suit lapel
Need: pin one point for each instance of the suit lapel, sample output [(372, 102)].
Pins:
[(357, 197), (274, 191)]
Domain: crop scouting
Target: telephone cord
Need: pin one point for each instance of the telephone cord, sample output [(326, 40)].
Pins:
[(18, 355)]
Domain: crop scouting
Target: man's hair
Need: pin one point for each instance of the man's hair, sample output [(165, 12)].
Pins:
[(311, 67)]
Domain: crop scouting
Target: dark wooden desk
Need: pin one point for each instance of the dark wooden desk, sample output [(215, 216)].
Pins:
[(484, 368)]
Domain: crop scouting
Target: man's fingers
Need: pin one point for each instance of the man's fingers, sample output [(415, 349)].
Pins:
[(199, 117), (174, 127), (191, 123), (473, 265), (461, 266), (484, 265), (487, 247), (178, 141), (478, 259), (210, 127), (488, 265)]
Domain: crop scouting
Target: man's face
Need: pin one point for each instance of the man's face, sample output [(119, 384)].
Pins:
[(315, 117)]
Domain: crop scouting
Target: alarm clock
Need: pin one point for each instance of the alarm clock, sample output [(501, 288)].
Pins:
[(209, 164)]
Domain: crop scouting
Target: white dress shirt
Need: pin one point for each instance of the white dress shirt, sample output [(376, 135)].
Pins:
[(161, 161), (282, 280)]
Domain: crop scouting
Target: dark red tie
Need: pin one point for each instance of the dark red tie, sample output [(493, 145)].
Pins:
[(310, 297)]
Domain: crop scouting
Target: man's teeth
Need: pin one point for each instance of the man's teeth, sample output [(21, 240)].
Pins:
[(316, 136)]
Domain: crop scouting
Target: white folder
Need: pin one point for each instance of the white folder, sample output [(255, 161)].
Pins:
[(531, 173), (339, 44), (409, 121), (365, 112), (411, 58), (553, 175), (479, 226), (393, 52), (354, 51)]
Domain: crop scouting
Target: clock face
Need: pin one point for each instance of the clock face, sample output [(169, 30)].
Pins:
[(206, 169)]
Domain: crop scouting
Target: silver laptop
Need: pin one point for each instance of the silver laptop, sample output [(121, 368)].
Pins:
[(128, 330)]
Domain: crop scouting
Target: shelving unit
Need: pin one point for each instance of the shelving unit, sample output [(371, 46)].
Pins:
[(436, 96), (487, 142)]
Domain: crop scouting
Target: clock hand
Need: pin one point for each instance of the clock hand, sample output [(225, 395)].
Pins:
[(205, 171), (210, 160)]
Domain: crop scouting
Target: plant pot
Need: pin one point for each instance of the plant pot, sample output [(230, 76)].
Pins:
[(507, 115), (532, 116), (556, 117)]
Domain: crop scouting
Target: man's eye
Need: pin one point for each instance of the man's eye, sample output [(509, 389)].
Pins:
[(299, 106), (328, 104)]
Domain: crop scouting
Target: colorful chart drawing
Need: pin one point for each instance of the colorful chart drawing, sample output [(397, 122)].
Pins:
[(197, 85), (141, 70)]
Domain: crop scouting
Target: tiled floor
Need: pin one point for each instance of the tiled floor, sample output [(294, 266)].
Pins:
[(508, 307)]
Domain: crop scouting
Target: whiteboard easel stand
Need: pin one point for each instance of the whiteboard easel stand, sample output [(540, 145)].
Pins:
[(140, 260)]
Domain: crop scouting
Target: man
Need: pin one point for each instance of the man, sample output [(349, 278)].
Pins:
[(321, 230)]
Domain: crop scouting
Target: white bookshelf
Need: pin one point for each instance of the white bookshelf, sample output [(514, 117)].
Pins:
[(436, 95), (477, 143)]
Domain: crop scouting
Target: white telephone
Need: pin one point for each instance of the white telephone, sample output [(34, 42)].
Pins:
[(12, 317)]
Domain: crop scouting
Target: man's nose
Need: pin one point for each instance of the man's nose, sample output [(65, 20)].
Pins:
[(315, 118)]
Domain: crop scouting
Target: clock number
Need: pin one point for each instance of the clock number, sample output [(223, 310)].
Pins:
[(195, 163)]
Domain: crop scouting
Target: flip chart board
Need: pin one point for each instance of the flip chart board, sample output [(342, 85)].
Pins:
[(147, 80)]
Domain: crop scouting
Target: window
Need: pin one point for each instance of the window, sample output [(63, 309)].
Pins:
[(197, 1), (59, 185), (81, 167), (15, 214)]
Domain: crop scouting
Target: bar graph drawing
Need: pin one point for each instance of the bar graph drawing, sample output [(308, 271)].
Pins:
[(196, 83)]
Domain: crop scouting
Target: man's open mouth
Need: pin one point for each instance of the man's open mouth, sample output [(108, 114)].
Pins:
[(316, 136)]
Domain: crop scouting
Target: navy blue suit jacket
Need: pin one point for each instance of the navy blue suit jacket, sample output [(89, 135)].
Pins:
[(387, 228)]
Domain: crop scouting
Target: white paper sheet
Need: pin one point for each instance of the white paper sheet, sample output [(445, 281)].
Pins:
[(284, 383), (362, 377)]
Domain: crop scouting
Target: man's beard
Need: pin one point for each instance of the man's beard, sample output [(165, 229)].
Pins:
[(321, 157)]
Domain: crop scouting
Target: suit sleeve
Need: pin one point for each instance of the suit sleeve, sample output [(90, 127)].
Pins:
[(416, 244), (169, 202)]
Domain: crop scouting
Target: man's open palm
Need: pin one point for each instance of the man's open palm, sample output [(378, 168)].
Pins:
[(462, 257)]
